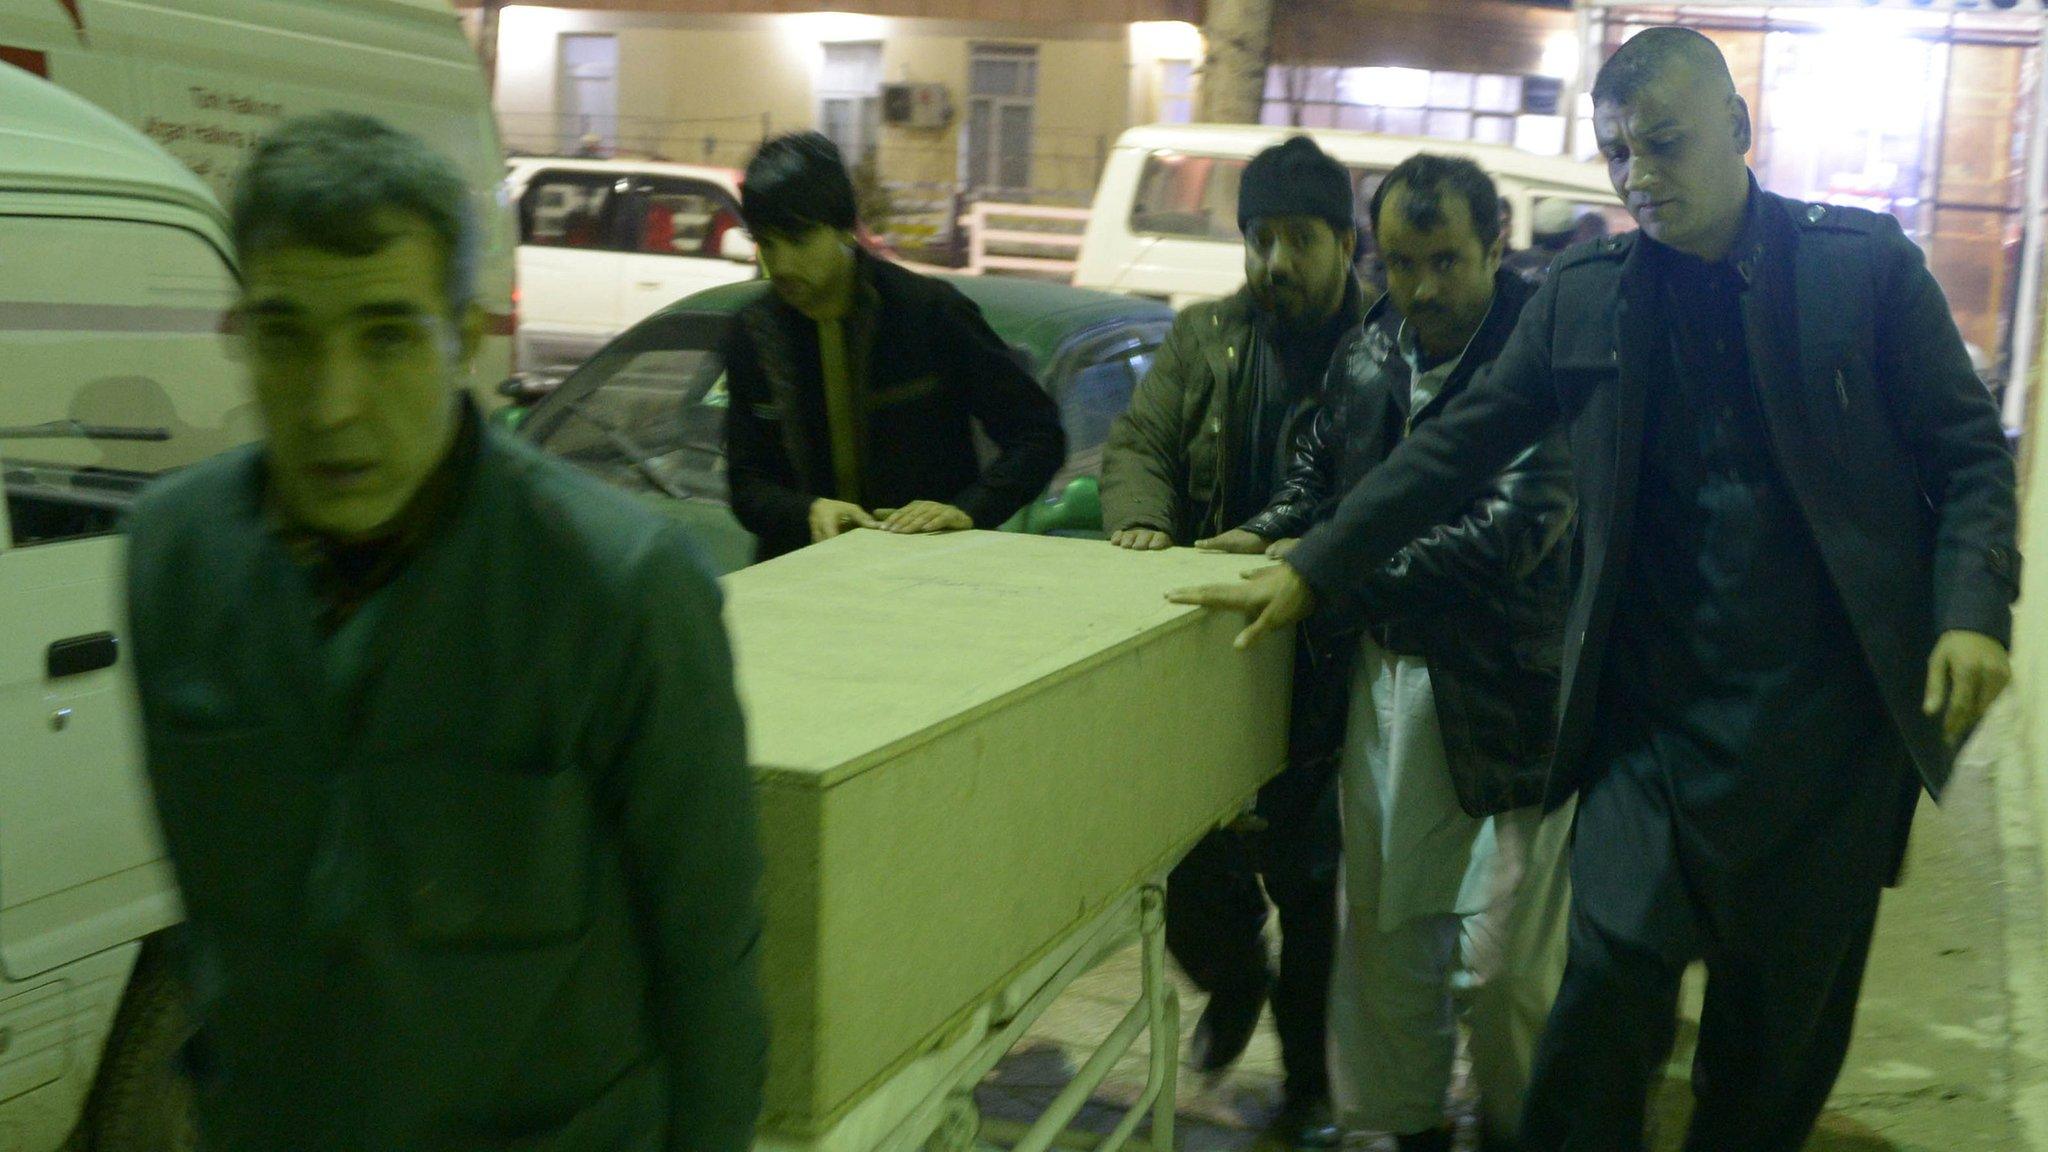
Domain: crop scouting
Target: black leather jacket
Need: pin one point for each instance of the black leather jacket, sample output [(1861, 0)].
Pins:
[(1482, 598)]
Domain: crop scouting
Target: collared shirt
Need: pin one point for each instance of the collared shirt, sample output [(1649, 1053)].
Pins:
[(1423, 383)]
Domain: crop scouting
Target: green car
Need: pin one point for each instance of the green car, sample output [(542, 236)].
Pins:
[(647, 412)]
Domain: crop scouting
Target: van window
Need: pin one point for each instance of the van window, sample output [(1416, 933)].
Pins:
[(1595, 218), (1183, 195), (565, 209), (1186, 195), (671, 216), (112, 378)]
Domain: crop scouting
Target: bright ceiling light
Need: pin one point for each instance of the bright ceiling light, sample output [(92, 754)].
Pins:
[(1560, 55), (1166, 40), (834, 27)]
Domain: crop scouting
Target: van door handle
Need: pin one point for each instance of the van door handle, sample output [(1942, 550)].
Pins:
[(648, 283), (81, 654)]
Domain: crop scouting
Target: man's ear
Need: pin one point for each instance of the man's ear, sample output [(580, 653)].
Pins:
[(1738, 109)]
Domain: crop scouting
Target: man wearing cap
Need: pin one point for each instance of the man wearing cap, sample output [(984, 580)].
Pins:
[(1193, 461)]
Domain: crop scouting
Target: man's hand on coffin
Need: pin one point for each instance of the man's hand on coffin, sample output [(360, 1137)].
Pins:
[(1237, 541), (925, 516), (1141, 539), (1280, 549), (1275, 598), (829, 518)]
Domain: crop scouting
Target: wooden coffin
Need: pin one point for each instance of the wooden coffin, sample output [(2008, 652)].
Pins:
[(966, 746)]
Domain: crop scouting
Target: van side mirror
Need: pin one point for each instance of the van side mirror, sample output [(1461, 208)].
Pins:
[(737, 246)]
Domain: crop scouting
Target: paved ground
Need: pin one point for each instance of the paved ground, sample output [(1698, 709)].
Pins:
[(1950, 1053)]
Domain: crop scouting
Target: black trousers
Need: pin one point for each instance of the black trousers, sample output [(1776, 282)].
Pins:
[(1216, 918), (1784, 944)]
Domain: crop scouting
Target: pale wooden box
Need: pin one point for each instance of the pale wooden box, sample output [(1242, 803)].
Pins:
[(965, 746)]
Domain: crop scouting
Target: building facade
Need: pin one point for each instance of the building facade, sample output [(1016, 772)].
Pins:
[(931, 102)]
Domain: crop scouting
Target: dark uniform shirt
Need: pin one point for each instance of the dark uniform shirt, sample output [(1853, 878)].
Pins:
[(1738, 712)]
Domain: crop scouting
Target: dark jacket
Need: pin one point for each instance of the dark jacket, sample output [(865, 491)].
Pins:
[(926, 368), (478, 870), (1884, 435), (1480, 597), (1173, 454), (1173, 463)]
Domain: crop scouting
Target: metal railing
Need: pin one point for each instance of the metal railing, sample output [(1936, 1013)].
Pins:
[(1039, 240), (722, 141)]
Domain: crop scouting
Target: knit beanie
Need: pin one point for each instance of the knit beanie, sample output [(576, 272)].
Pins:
[(1295, 178)]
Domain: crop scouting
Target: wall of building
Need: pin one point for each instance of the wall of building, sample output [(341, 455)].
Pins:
[(680, 80), (1083, 99), (707, 87)]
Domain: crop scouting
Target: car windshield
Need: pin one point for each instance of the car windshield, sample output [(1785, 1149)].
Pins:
[(1094, 387), (648, 413)]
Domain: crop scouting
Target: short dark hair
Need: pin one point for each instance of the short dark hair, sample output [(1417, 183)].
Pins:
[(797, 182), (1428, 176), (1650, 54), (332, 181)]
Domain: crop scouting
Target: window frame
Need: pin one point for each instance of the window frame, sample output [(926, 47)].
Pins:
[(643, 187), (106, 492)]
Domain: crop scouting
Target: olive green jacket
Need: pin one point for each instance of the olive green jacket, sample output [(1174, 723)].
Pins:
[(478, 869), (1172, 461), (1164, 465)]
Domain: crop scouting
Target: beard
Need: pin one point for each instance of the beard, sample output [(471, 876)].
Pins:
[(1288, 300)]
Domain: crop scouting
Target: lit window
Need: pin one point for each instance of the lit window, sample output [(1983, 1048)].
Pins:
[(1387, 87)]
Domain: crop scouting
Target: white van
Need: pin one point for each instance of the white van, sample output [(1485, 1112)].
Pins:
[(603, 244), (1165, 217), (206, 79), (114, 272)]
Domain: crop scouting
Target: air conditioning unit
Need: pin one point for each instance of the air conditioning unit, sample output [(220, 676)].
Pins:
[(916, 105)]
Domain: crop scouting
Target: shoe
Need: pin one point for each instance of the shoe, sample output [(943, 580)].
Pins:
[(1226, 1027), (1434, 1140), (1306, 1125)]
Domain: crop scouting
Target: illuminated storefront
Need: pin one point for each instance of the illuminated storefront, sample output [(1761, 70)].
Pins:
[(1925, 109)]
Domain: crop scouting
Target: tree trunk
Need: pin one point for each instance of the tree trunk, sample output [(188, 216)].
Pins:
[(1233, 85)]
